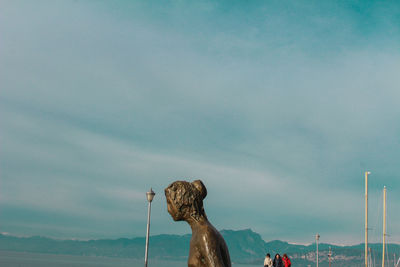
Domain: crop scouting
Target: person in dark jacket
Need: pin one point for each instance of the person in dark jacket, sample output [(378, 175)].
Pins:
[(277, 261)]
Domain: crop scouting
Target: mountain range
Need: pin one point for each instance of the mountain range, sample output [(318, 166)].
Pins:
[(245, 246)]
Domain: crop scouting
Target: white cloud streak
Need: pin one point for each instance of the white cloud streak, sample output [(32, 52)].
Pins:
[(98, 106)]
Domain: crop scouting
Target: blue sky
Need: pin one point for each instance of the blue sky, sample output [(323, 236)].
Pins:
[(278, 106)]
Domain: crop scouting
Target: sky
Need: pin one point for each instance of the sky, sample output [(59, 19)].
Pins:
[(279, 107)]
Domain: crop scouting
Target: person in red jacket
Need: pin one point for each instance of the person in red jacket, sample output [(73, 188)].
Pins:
[(286, 261)]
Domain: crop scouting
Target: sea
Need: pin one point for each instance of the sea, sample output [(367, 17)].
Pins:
[(24, 259)]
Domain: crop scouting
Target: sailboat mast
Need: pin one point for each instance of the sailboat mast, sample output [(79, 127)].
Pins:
[(384, 226), (330, 255), (366, 218)]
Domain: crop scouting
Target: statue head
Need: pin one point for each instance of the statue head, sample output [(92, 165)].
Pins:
[(185, 200)]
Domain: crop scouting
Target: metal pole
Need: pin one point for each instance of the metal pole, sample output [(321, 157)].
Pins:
[(316, 239), (366, 218), (384, 226), (150, 195), (330, 254), (370, 258), (317, 254), (147, 236)]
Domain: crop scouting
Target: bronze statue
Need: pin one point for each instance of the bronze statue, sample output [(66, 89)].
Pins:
[(207, 246)]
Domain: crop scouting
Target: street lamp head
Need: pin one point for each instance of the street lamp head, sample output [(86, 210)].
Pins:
[(368, 173), (150, 195), (317, 236)]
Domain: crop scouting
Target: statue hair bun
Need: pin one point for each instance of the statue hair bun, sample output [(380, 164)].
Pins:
[(201, 188)]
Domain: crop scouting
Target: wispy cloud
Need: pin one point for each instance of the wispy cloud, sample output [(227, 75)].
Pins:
[(277, 107)]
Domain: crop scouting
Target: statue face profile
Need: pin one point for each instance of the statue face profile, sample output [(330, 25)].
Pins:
[(174, 211), (185, 203)]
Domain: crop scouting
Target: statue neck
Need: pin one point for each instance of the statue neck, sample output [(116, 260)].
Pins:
[(195, 224)]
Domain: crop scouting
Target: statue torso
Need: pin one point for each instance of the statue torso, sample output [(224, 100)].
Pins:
[(208, 248)]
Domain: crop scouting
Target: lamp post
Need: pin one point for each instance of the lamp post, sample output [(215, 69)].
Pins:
[(150, 195), (317, 236), (330, 255)]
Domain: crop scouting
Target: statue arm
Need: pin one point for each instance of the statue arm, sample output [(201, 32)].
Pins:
[(214, 260), (217, 255)]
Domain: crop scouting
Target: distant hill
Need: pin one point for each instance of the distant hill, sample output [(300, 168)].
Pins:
[(245, 246)]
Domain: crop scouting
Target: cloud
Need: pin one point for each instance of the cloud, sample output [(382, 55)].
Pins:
[(278, 108)]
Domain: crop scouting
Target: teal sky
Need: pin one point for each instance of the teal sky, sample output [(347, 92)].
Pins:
[(277, 106)]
